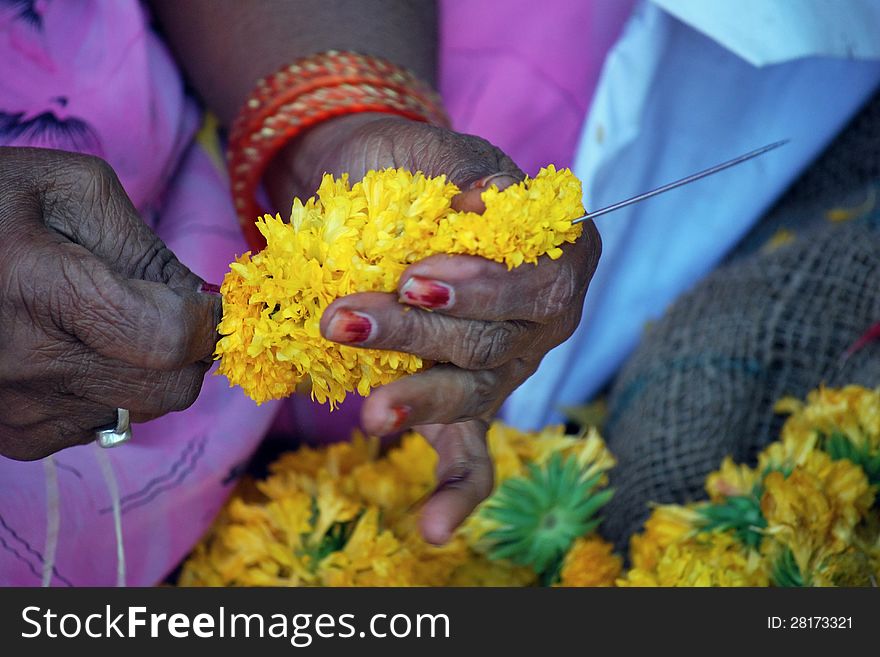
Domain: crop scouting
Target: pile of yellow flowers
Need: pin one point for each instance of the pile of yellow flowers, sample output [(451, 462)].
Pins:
[(360, 238), (804, 516), (345, 515)]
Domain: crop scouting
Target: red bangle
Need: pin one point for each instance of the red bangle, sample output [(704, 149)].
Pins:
[(299, 96)]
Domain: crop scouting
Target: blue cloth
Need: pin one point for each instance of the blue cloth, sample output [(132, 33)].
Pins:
[(672, 101)]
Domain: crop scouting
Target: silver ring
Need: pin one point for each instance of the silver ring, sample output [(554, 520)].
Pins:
[(119, 434)]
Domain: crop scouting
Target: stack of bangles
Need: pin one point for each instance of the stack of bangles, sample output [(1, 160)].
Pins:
[(305, 93)]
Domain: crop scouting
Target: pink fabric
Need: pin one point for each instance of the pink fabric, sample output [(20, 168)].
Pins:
[(522, 73), (92, 76), (104, 83)]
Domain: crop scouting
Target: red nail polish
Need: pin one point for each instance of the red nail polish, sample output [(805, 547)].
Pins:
[(209, 288), (399, 416), (427, 293), (350, 327)]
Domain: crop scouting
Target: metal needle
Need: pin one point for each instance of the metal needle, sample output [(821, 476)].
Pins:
[(684, 181)]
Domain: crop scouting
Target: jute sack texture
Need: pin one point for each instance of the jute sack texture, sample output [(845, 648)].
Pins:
[(704, 380)]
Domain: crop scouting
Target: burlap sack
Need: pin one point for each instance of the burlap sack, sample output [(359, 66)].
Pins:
[(703, 382)]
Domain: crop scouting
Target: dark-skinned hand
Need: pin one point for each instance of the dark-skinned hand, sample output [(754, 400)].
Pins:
[(95, 312), (487, 328)]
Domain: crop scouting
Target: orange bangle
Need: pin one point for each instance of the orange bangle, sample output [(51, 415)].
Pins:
[(307, 92)]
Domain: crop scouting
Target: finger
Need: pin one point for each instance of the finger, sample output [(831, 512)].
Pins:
[(40, 440), (466, 160), (464, 473), (44, 424), (378, 321), (88, 205), (147, 394), (145, 324), (443, 394), (471, 287)]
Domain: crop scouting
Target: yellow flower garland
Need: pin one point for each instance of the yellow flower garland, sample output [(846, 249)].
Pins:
[(360, 238)]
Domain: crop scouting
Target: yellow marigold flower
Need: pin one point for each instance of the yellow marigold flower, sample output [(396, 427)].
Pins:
[(434, 565), (849, 568), (590, 562), (199, 570), (511, 449), (360, 238), (846, 420), (707, 559), (796, 449), (396, 482), (254, 545), (814, 510), (798, 515), (371, 557), (330, 507), (592, 455), (667, 524), (847, 486), (415, 461), (731, 480), (852, 410), (338, 459), (507, 448)]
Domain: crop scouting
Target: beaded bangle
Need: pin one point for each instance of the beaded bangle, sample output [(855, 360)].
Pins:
[(307, 92)]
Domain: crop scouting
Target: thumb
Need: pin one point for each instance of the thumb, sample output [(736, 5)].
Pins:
[(143, 323), (470, 200)]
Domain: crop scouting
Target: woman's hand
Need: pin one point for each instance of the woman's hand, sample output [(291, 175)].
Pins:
[(487, 328), (95, 312)]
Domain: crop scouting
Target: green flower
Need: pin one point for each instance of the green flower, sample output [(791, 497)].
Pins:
[(741, 513), (785, 571), (538, 516)]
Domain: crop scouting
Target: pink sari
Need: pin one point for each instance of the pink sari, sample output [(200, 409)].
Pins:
[(92, 76)]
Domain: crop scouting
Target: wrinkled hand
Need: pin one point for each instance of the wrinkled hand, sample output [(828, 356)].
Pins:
[(487, 328), (95, 312)]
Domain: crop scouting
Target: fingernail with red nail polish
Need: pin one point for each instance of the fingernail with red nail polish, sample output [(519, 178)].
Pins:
[(209, 288), (397, 417), (351, 327), (427, 293)]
